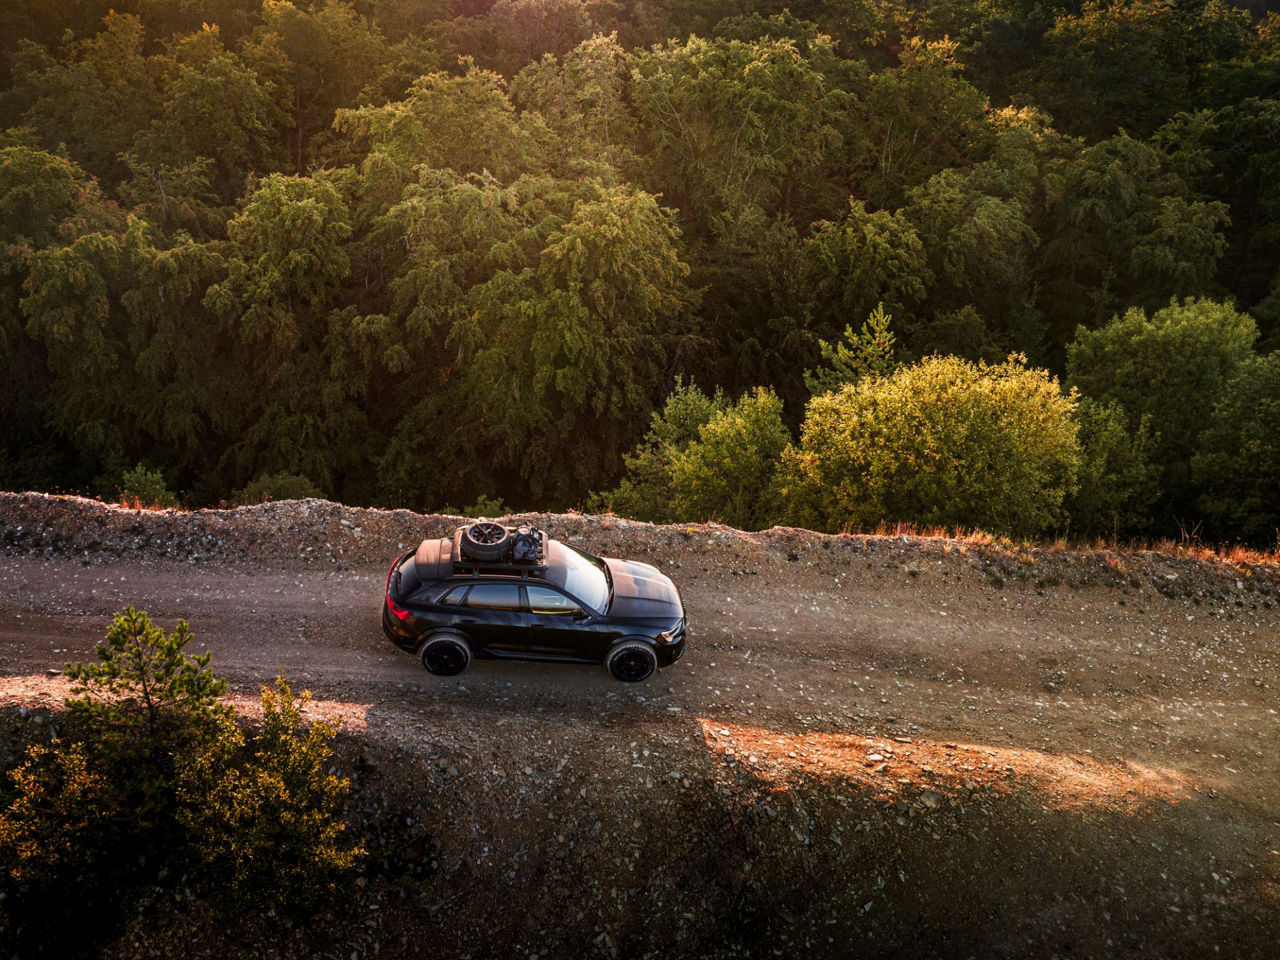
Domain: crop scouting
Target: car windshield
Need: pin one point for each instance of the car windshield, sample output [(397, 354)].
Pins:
[(582, 576)]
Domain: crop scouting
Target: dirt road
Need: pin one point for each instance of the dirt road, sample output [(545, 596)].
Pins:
[(1131, 699)]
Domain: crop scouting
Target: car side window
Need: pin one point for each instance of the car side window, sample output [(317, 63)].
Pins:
[(546, 600), (454, 597), (495, 596)]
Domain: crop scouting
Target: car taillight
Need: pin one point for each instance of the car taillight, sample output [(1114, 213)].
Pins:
[(400, 612)]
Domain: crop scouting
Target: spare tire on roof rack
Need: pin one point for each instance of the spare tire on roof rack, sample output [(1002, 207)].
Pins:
[(484, 541)]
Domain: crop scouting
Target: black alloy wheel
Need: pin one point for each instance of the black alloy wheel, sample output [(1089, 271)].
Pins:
[(632, 661), (446, 655)]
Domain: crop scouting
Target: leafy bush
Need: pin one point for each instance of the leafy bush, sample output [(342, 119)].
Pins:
[(142, 705), (275, 486), (53, 831), (1238, 465), (95, 816), (705, 459), (1170, 368), (1117, 482), (156, 777), (266, 815), (143, 488), (645, 492), (728, 473), (485, 506), (943, 441)]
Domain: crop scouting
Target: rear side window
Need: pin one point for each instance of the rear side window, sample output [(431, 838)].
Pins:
[(455, 596), (495, 596)]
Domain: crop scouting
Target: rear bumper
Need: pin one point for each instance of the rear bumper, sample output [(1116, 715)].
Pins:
[(397, 632)]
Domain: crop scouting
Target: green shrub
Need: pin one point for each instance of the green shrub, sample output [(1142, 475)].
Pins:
[(95, 816), (728, 473), (1170, 368), (1117, 483), (275, 486), (1238, 464), (485, 506), (940, 442), (144, 489), (55, 827), (265, 814), (155, 777), (646, 492)]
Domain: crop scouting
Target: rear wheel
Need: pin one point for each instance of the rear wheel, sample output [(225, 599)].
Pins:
[(632, 661), (445, 654), (485, 541)]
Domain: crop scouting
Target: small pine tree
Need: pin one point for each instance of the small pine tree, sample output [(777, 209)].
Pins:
[(867, 353)]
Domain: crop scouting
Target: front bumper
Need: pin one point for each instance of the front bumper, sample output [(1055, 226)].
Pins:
[(669, 653)]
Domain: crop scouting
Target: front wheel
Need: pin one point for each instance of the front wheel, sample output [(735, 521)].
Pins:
[(445, 654), (632, 661)]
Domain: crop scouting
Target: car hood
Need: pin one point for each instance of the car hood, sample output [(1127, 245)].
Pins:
[(640, 590)]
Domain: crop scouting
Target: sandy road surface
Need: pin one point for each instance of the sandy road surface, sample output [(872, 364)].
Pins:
[(882, 667)]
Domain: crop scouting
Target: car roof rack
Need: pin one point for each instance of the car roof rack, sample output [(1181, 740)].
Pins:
[(525, 568)]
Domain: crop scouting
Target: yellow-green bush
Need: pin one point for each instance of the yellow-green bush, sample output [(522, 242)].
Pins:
[(940, 442)]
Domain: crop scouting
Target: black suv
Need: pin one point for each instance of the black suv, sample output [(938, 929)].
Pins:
[(512, 593)]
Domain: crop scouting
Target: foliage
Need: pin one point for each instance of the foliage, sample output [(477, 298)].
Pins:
[(423, 251), (728, 473), (53, 832), (867, 353), (143, 487), (66, 851), (646, 491), (276, 486), (266, 816), (144, 703), (1169, 368), (153, 777), (940, 442), (484, 506), (1237, 467), (96, 814), (1117, 482), (862, 261)]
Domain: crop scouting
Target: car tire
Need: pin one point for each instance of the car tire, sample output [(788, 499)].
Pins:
[(485, 541), (445, 654), (632, 661)]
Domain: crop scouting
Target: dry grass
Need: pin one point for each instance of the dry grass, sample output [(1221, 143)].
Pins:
[(137, 504), (1236, 555)]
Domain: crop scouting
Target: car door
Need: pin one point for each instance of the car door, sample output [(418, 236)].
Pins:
[(493, 614), (558, 623)]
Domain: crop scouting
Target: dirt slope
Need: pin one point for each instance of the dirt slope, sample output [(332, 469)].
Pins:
[(875, 746)]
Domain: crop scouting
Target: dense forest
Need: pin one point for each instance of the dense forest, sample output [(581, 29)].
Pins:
[(980, 262)]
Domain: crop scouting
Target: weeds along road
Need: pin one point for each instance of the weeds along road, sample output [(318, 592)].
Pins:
[(900, 670)]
